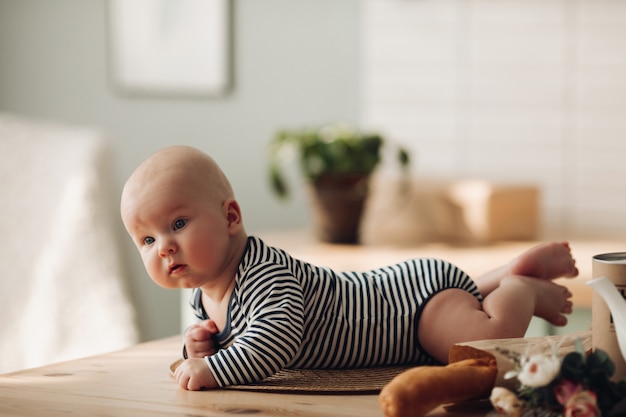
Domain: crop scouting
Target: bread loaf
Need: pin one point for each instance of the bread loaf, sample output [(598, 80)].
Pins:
[(419, 390)]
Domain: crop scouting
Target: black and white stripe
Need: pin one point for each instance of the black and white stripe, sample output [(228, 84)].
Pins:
[(287, 313)]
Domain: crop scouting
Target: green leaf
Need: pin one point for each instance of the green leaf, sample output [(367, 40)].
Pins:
[(573, 366), (403, 157), (578, 345), (328, 151), (278, 183), (599, 360)]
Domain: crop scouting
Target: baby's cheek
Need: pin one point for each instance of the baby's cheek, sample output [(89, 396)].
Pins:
[(157, 273)]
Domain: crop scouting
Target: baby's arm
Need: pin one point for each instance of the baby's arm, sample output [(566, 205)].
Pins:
[(194, 374), (199, 339), (271, 334), (257, 354)]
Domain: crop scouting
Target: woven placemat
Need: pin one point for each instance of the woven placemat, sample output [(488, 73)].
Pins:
[(322, 381)]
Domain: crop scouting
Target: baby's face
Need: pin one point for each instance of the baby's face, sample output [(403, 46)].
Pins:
[(180, 231)]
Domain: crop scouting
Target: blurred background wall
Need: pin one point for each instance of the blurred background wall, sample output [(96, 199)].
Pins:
[(294, 63), (525, 91), (516, 91)]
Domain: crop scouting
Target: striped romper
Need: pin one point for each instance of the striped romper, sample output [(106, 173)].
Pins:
[(286, 313)]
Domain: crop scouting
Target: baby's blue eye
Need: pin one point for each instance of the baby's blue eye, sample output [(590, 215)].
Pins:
[(179, 224), (148, 240)]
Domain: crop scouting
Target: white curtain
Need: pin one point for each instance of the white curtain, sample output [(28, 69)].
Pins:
[(62, 292)]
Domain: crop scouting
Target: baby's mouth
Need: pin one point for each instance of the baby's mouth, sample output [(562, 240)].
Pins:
[(176, 268)]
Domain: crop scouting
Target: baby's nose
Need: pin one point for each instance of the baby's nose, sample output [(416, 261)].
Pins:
[(167, 247)]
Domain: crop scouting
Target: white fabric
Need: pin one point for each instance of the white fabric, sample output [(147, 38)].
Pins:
[(62, 293)]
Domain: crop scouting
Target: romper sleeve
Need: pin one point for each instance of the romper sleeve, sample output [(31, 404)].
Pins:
[(273, 311)]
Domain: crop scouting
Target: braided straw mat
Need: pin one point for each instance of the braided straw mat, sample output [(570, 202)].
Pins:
[(321, 381)]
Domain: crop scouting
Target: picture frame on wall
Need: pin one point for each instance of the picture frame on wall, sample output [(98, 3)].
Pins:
[(170, 47)]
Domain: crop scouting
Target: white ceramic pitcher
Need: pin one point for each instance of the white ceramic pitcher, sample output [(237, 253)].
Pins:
[(617, 306)]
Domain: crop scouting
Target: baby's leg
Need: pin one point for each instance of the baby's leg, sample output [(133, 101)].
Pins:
[(454, 316), (546, 261)]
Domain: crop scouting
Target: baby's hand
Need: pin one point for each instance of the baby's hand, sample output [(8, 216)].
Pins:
[(194, 374), (199, 341)]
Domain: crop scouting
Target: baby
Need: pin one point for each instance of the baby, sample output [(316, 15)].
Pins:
[(262, 310)]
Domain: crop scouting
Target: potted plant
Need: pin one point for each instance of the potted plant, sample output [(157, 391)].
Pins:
[(336, 161)]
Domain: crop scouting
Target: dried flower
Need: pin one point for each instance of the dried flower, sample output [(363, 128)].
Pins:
[(582, 404), (577, 385), (565, 390), (506, 402), (539, 370)]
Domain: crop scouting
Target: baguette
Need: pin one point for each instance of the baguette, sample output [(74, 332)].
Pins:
[(419, 390)]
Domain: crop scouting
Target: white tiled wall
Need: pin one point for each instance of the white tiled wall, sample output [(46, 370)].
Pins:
[(530, 91)]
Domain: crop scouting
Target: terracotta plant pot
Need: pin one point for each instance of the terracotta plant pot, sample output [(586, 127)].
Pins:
[(337, 204)]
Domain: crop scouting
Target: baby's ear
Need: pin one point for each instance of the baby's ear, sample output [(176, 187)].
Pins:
[(232, 211)]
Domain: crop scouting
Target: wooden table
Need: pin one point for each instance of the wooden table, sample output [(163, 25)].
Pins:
[(136, 382)]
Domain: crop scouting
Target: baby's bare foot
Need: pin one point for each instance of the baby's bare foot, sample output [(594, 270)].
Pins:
[(553, 301), (546, 261), (550, 301)]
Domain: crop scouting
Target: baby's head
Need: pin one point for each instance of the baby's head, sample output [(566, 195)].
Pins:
[(180, 209), (176, 169)]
